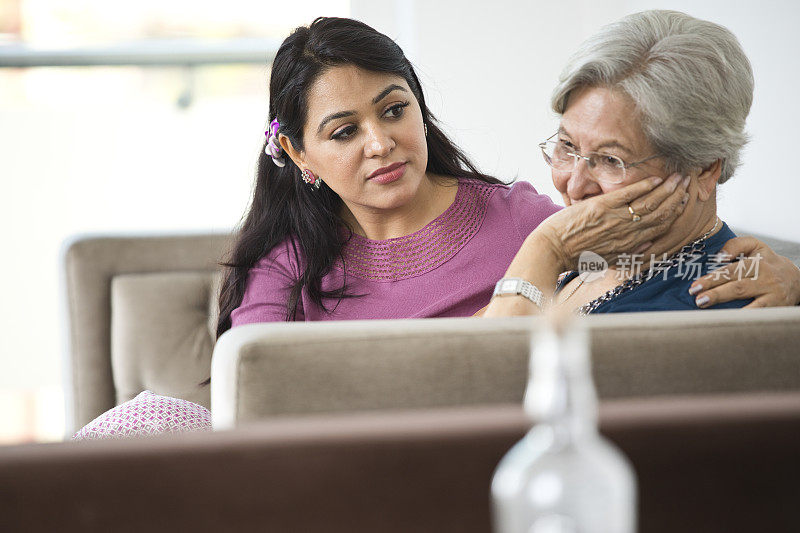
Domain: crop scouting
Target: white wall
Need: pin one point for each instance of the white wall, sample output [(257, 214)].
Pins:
[(489, 68), (115, 165)]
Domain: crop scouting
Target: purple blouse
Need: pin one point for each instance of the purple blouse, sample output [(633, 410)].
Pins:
[(446, 269)]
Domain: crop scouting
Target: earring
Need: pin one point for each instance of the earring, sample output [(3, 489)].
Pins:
[(426, 128), (311, 179)]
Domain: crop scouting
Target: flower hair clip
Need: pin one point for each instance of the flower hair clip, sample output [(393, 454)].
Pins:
[(273, 148)]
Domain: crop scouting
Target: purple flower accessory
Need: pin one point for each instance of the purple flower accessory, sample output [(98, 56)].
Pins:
[(273, 148)]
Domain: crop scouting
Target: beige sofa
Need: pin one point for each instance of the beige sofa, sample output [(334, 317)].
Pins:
[(141, 315), (706, 404)]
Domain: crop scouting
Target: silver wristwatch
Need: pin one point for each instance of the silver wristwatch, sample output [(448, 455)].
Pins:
[(514, 286)]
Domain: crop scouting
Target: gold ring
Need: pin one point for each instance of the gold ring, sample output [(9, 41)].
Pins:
[(634, 216)]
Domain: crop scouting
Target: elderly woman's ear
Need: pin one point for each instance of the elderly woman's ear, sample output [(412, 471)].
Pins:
[(707, 180)]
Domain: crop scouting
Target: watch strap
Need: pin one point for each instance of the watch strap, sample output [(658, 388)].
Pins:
[(521, 287)]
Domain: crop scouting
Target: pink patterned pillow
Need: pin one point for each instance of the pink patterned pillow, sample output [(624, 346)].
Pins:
[(147, 414)]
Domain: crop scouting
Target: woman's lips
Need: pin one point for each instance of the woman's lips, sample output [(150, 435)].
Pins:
[(388, 174)]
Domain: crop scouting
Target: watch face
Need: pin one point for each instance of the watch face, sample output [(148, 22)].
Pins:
[(509, 285)]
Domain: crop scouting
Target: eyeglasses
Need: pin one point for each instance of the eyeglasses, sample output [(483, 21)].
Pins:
[(605, 168)]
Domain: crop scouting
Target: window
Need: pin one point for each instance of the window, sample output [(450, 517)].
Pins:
[(101, 149)]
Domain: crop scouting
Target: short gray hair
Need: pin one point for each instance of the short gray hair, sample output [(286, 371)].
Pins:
[(690, 80)]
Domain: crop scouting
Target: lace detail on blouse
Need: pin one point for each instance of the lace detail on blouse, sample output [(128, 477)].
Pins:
[(422, 251)]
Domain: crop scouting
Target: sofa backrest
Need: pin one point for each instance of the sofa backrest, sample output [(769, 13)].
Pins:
[(263, 370), (141, 314)]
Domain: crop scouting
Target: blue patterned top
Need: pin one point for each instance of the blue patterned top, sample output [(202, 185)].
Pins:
[(669, 290)]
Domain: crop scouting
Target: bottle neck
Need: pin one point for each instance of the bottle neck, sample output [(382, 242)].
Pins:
[(560, 395)]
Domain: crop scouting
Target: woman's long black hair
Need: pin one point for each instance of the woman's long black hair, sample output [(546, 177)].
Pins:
[(283, 206)]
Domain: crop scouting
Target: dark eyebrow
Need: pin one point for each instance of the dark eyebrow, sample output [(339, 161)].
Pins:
[(334, 116), (386, 91), (342, 114)]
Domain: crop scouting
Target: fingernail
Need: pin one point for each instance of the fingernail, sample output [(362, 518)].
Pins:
[(694, 289), (686, 182), (703, 300), (657, 180), (673, 182), (643, 247)]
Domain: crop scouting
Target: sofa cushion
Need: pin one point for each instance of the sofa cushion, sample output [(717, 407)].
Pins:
[(147, 415), (161, 334)]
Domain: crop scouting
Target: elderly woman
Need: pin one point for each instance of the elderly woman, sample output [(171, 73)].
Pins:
[(654, 94)]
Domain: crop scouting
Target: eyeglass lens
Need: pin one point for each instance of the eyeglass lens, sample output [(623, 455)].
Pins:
[(602, 167)]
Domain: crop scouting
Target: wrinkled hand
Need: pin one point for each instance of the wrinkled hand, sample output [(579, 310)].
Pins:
[(603, 224), (771, 279)]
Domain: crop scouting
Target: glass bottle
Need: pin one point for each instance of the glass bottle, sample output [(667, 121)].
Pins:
[(563, 476)]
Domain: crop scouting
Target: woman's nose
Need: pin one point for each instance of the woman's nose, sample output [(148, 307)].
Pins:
[(581, 184), (379, 143)]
